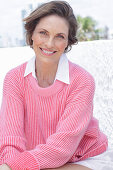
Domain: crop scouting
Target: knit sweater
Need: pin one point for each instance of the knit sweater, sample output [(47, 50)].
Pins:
[(48, 127)]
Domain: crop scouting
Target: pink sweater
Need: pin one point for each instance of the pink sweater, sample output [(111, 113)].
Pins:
[(48, 127)]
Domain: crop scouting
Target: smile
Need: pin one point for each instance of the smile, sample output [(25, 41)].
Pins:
[(47, 52)]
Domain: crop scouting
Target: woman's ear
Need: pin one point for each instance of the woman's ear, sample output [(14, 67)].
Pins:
[(32, 37), (66, 47)]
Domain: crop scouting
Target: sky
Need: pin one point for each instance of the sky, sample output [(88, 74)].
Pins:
[(11, 21)]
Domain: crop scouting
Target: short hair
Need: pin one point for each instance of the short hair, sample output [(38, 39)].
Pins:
[(60, 8)]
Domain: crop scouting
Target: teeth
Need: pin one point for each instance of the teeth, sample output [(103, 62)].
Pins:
[(47, 52)]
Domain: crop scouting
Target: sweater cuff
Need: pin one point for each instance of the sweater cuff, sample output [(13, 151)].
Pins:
[(24, 161)]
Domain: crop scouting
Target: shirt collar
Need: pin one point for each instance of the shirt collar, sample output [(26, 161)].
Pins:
[(30, 67), (62, 71)]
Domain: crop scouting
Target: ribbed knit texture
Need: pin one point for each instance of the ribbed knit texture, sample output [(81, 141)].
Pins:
[(48, 127)]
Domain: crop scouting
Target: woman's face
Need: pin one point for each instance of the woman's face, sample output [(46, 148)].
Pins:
[(50, 38)]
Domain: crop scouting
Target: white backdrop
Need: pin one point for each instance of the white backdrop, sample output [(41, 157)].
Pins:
[(96, 57)]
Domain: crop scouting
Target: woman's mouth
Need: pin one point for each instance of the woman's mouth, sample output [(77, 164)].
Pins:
[(47, 52)]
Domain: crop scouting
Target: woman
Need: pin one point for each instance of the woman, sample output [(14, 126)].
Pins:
[(46, 118)]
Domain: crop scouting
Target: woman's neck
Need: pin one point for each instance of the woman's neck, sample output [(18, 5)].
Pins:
[(45, 73)]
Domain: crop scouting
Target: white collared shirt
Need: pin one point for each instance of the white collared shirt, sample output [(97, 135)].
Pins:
[(62, 73)]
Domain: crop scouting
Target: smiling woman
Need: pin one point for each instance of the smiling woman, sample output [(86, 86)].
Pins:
[(50, 38), (50, 32), (46, 117), (63, 12)]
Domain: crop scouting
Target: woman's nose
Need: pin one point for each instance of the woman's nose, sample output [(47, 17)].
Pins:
[(50, 42)]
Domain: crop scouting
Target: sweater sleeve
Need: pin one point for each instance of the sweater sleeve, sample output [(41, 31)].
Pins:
[(61, 146), (12, 137)]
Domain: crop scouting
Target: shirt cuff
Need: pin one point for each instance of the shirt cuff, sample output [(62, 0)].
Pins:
[(24, 161)]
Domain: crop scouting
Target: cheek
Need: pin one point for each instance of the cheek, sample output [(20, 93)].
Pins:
[(62, 46), (36, 40)]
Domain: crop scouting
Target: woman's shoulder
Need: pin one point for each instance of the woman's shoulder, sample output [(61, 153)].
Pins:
[(79, 74), (14, 78), (14, 82), (17, 72)]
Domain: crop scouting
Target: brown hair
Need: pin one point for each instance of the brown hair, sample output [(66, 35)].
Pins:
[(60, 8)]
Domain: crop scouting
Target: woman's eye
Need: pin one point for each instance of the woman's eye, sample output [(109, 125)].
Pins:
[(43, 32), (60, 36)]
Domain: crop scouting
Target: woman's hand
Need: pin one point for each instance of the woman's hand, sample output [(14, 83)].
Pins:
[(4, 167)]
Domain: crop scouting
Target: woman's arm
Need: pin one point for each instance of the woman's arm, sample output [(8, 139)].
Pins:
[(12, 137)]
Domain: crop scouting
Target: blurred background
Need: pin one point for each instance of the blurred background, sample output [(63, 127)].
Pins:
[(95, 19)]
